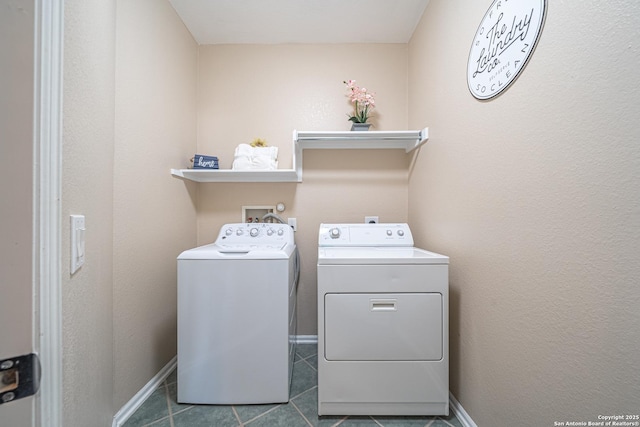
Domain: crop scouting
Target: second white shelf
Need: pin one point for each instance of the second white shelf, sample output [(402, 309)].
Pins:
[(408, 140)]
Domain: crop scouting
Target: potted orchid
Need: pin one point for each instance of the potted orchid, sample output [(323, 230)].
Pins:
[(363, 101)]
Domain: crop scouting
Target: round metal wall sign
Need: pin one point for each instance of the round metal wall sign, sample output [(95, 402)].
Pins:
[(503, 44)]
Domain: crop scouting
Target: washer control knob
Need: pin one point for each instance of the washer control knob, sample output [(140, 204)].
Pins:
[(229, 232), (334, 233), (389, 233), (280, 231), (400, 233), (270, 232), (239, 232), (253, 232)]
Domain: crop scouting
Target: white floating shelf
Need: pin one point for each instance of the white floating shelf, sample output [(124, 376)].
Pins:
[(229, 175), (408, 140)]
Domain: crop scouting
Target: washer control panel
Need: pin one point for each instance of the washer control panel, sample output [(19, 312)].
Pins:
[(243, 234), (381, 234)]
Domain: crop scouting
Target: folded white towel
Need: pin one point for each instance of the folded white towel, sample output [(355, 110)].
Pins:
[(247, 150), (255, 158)]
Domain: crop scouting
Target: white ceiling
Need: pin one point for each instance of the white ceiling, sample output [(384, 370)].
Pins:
[(300, 21)]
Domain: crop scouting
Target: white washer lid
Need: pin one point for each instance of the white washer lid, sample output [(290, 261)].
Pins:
[(378, 255), (244, 252)]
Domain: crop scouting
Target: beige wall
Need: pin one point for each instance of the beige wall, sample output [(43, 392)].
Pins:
[(87, 188), (534, 196), (153, 213), (16, 181), (267, 91), (125, 126), (16, 191)]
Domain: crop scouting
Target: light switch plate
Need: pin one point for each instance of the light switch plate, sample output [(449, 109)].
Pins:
[(77, 242)]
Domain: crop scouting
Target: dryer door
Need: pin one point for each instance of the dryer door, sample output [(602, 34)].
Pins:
[(383, 326)]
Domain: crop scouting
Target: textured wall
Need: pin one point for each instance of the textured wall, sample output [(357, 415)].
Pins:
[(154, 213), (16, 189), (534, 196), (268, 91), (16, 181), (87, 188)]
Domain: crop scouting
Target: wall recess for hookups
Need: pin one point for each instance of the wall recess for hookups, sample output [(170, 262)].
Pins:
[(255, 213)]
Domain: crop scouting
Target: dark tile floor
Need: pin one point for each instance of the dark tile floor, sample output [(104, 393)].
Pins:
[(162, 410)]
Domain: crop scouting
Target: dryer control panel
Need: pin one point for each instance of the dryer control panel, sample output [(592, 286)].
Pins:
[(381, 234)]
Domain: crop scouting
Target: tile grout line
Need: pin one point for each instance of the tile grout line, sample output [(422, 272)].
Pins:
[(300, 394), (340, 422), (376, 421), (156, 422), (235, 412), (166, 391), (184, 410), (310, 365), (447, 422), (263, 414), (300, 412)]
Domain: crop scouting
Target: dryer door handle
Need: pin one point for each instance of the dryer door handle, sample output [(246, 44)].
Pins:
[(383, 304)]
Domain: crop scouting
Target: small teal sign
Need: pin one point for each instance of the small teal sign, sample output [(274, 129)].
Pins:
[(201, 161)]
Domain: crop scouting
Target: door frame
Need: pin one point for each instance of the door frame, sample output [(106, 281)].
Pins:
[(47, 195)]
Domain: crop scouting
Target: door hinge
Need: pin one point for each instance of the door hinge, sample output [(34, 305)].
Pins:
[(19, 377)]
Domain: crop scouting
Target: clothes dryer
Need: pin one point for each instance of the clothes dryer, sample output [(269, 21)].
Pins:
[(237, 316), (383, 325)]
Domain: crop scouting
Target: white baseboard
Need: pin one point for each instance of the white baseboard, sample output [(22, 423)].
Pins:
[(460, 413), (136, 401)]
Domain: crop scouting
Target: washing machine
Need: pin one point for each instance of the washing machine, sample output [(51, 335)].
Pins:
[(237, 316), (383, 324)]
